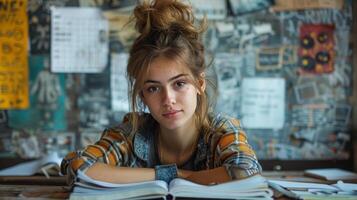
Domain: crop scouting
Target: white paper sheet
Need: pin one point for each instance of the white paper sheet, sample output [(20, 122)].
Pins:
[(118, 82), (263, 103), (79, 40)]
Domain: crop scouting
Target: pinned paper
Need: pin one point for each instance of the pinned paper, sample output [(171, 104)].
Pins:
[(263, 103), (118, 82), (13, 55), (243, 6), (79, 40), (212, 9)]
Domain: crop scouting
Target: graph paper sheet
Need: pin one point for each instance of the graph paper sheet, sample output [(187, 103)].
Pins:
[(79, 40)]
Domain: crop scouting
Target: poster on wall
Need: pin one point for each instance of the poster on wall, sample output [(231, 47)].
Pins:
[(13, 55), (263, 103), (317, 48), (47, 99)]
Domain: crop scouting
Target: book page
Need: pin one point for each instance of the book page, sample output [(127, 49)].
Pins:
[(250, 188), (88, 188), (86, 179)]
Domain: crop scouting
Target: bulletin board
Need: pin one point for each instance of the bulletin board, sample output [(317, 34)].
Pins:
[(285, 70)]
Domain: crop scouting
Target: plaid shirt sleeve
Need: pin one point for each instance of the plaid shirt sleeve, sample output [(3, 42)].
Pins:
[(233, 150), (113, 148)]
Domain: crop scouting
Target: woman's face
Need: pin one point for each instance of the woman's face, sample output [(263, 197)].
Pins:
[(170, 94)]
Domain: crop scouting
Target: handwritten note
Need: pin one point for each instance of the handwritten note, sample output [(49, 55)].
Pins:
[(79, 40), (263, 103), (13, 54)]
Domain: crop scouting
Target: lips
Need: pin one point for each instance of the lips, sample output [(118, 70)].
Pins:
[(171, 113)]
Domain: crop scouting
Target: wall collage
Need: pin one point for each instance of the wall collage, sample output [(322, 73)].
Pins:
[(284, 68)]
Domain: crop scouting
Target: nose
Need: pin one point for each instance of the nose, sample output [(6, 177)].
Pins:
[(168, 97)]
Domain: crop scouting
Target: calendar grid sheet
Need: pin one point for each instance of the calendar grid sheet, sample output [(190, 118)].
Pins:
[(76, 40)]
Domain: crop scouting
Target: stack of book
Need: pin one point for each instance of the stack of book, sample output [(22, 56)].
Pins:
[(314, 191)]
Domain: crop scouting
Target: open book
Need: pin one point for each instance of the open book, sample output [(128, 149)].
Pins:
[(48, 165), (254, 187)]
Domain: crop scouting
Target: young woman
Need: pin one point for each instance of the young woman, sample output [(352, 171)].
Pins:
[(179, 137)]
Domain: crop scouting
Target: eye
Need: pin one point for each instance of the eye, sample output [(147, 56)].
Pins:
[(180, 84), (152, 89)]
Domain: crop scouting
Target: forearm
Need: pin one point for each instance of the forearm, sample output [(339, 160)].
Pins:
[(112, 174), (206, 177)]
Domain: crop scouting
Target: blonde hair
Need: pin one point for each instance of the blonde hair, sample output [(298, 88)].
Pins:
[(167, 29)]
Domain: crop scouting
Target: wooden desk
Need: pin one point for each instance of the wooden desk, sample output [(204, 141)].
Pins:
[(20, 187), (55, 188)]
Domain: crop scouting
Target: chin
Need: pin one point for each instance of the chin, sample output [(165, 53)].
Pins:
[(172, 125)]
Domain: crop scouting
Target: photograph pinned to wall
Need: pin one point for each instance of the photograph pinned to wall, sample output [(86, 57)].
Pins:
[(342, 115), (47, 99), (118, 82), (214, 10), (246, 6), (258, 30), (316, 50), (306, 92), (228, 70), (224, 28), (269, 59), (310, 115), (263, 103), (79, 40), (13, 55)]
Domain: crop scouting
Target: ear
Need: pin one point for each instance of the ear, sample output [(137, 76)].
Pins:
[(202, 83)]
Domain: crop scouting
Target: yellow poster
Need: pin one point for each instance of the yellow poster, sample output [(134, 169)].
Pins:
[(13, 54)]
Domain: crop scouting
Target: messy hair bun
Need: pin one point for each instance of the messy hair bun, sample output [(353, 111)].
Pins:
[(165, 16)]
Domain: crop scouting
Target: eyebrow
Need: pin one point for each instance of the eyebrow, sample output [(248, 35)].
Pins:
[(170, 79)]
